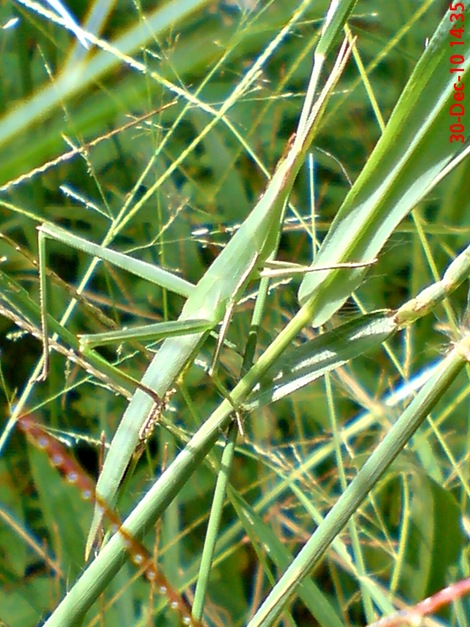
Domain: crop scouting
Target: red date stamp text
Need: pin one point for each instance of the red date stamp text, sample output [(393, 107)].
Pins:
[(457, 108)]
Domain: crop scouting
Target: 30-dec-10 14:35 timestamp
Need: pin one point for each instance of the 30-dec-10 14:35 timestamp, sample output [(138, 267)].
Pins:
[(457, 109)]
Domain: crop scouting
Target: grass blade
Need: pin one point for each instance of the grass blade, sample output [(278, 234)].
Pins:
[(305, 363), (402, 169)]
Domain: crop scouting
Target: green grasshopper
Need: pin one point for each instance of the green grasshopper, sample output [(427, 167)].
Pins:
[(208, 303)]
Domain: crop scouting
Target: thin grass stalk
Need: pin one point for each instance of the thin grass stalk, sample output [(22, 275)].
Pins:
[(215, 516)]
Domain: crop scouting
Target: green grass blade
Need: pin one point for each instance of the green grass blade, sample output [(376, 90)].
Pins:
[(335, 20), (410, 155)]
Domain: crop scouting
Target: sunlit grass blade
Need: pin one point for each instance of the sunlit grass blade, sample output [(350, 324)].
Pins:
[(69, 21), (305, 363)]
